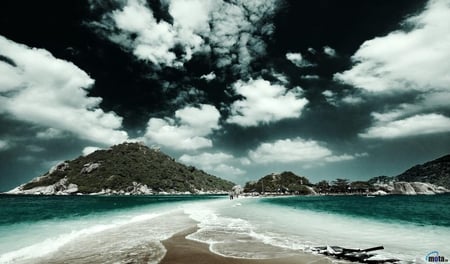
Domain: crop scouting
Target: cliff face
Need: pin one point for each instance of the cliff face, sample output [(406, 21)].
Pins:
[(436, 172), (129, 168)]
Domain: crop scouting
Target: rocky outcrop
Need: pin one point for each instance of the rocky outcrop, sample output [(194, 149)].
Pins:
[(413, 188), (408, 188), (89, 167), (62, 187)]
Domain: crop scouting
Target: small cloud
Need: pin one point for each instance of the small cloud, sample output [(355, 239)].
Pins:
[(312, 51), (4, 145), (188, 130), (283, 79), (298, 60), (265, 103), (309, 152), (310, 77), (26, 158), (330, 96), (245, 161), (89, 150), (339, 158), (208, 77), (50, 133), (329, 51), (34, 148), (353, 100), (224, 169), (422, 124)]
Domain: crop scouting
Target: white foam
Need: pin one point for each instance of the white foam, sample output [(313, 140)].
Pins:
[(58, 233), (49, 245), (294, 229)]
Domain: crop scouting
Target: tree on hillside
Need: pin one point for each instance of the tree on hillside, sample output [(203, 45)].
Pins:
[(359, 186), (323, 186), (340, 185)]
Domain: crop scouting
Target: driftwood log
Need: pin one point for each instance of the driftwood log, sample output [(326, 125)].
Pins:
[(352, 254)]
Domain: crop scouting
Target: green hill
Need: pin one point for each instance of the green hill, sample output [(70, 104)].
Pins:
[(284, 182), (126, 167)]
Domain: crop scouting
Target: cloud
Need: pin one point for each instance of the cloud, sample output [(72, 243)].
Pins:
[(265, 103), (422, 124), (417, 59), (298, 60), (238, 31), (353, 100), (234, 31), (310, 77), (312, 50), (187, 131), (50, 133), (51, 92), (295, 150), (34, 148), (337, 99), (331, 97), (214, 163), (88, 150), (4, 145), (329, 51), (208, 77)]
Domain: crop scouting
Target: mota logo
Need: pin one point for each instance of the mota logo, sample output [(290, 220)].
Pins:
[(433, 256)]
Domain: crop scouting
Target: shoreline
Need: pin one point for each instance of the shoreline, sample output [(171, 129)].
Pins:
[(181, 250)]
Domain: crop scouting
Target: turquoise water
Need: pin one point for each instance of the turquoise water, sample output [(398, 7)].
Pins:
[(35, 229), (15, 209), (419, 209)]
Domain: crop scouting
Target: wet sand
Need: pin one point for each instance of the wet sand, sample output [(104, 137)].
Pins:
[(181, 250)]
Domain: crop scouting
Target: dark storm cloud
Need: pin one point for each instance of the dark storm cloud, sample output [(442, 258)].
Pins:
[(238, 68)]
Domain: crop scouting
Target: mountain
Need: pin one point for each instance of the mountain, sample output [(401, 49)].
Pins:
[(128, 168), (286, 182), (436, 172)]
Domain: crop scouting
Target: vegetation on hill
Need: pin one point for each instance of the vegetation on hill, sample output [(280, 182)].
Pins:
[(285, 182), (436, 172), (119, 166)]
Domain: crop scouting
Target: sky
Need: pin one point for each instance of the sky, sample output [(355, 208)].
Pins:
[(239, 88)]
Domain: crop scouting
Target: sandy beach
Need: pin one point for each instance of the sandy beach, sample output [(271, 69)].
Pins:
[(181, 250)]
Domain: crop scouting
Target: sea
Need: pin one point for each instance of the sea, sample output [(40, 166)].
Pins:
[(127, 229)]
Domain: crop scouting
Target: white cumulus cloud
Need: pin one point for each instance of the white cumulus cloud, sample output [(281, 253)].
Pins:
[(421, 124), (88, 150), (51, 93), (187, 131), (298, 60), (208, 77), (403, 60), (329, 51), (296, 150), (414, 61), (265, 103)]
